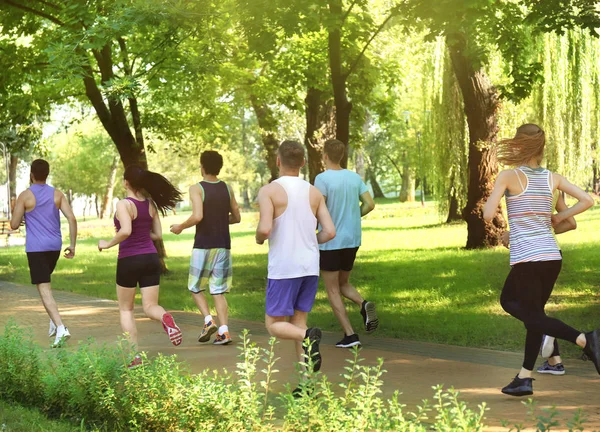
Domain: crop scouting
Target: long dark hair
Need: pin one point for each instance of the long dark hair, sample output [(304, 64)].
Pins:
[(161, 190)]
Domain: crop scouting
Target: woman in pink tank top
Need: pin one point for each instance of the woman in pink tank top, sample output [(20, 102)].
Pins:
[(137, 226)]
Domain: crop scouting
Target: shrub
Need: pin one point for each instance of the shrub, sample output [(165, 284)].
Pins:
[(93, 386)]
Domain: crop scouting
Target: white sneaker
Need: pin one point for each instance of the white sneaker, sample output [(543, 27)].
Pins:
[(61, 338), (52, 329), (547, 346)]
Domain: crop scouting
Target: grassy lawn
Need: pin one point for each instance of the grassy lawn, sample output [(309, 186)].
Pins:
[(15, 418), (426, 286)]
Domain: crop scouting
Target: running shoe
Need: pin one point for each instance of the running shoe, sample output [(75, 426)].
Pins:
[(311, 347), (137, 361), (519, 387), (547, 368), (592, 348), (348, 341), (207, 331), (172, 330), (547, 346), (52, 329), (369, 315), (61, 338), (222, 339)]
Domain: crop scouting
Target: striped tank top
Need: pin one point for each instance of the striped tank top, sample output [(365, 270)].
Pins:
[(531, 234)]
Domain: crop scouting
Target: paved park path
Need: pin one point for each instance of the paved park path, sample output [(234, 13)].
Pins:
[(413, 367)]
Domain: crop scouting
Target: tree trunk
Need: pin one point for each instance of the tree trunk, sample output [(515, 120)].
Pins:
[(12, 175), (453, 211), (377, 192), (246, 196), (343, 107), (110, 187), (481, 105), (320, 126), (266, 122), (595, 177), (407, 192), (97, 206)]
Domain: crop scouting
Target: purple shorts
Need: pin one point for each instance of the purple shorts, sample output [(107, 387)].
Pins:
[(284, 296)]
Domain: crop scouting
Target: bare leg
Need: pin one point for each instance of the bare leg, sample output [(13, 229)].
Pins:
[(552, 361), (126, 297), (150, 303), (348, 290), (49, 303), (221, 307), (202, 304), (331, 279), (299, 320)]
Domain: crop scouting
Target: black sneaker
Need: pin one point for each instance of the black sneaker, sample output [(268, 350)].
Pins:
[(369, 315), (592, 348), (313, 335), (348, 341), (519, 387), (547, 368), (302, 390)]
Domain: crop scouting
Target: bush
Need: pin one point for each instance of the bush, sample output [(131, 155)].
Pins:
[(93, 386)]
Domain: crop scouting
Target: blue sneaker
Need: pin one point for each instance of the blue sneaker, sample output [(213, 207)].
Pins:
[(547, 368)]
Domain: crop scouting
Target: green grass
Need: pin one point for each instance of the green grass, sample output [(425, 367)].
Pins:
[(15, 418), (426, 286)]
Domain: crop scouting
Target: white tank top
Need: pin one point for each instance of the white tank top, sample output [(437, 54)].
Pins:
[(293, 246)]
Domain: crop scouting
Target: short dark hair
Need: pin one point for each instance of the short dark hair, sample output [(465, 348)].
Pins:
[(40, 169), (335, 150), (291, 154), (212, 162)]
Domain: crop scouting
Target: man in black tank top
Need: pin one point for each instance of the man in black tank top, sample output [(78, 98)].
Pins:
[(213, 208)]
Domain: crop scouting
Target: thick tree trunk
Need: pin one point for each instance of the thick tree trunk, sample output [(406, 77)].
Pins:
[(12, 175), (320, 126), (246, 196), (343, 107), (407, 192), (481, 106), (110, 187), (377, 191), (453, 210), (268, 125)]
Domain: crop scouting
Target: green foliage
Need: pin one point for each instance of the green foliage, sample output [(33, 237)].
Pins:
[(81, 159)]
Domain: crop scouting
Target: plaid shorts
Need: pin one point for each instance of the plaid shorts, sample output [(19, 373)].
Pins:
[(212, 268)]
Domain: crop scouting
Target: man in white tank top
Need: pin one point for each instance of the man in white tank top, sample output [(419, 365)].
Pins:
[(289, 211)]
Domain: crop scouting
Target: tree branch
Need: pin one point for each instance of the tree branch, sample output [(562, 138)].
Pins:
[(35, 12), (348, 11), (52, 5), (395, 165), (373, 36)]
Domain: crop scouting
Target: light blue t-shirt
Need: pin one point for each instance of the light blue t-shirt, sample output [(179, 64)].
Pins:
[(342, 189)]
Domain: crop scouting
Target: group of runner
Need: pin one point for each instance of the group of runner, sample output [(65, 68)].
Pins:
[(311, 230)]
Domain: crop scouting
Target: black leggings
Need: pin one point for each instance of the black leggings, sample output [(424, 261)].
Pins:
[(524, 296)]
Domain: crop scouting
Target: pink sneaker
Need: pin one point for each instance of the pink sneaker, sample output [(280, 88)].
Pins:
[(172, 330), (137, 361)]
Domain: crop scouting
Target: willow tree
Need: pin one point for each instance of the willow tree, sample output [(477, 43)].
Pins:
[(568, 104), (473, 30)]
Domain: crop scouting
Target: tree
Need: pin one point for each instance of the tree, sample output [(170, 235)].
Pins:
[(472, 30), (108, 53)]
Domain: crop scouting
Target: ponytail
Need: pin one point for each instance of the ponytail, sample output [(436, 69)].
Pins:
[(160, 190)]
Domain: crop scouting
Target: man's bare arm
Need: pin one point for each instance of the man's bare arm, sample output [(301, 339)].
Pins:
[(327, 227), (18, 211), (367, 205), (266, 209), (234, 215), (196, 196), (67, 211)]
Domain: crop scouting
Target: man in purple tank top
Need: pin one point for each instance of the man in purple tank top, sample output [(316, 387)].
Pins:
[(39, 205)]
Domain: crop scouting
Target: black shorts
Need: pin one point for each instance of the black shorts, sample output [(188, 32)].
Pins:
[(41, 265), (138, 269), (338, 259)]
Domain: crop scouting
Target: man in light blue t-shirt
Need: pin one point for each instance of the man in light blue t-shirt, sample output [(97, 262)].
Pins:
[(344, 191)]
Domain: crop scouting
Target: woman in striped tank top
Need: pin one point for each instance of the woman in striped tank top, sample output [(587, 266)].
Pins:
[(534, 255)]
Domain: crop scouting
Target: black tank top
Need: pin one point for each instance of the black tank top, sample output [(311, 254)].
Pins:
[(213, 230)]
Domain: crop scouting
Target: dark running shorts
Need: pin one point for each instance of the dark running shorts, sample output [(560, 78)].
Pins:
[(138, 269), (338, 259), (41, 265)]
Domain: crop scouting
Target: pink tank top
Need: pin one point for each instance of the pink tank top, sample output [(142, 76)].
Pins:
[(139, 242)]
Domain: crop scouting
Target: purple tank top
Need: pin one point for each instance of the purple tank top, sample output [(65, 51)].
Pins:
[(42, 224), (139, 242)]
